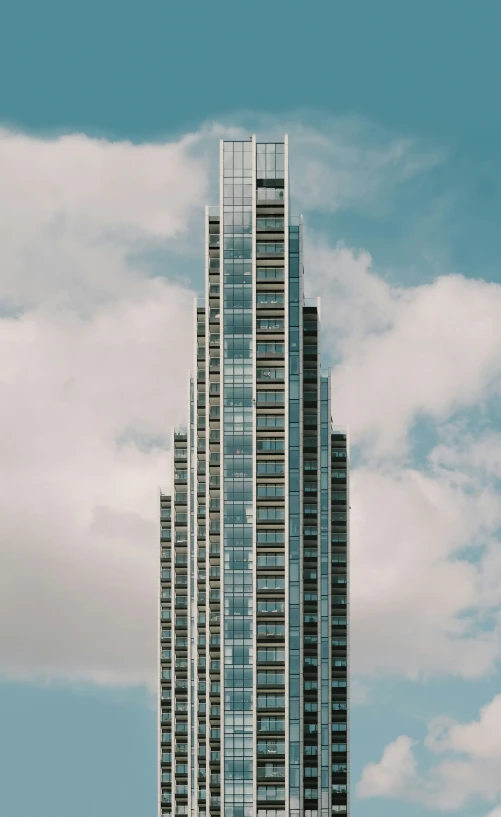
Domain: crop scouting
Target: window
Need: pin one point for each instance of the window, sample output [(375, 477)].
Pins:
[(271, 583), (310, 686), (339, 768), (310, 771), (270, 679), (270, 467), (270, 247), (269, 349), (271, 630), (270, 373), (270, 273), (270, 444), (338, 473), (310, 661), (311, 751), (271, 701), (271, 606), (270, 223), (270, 194), (310, 595), (339, 727), (311, 794), (273, 489), (309, 706), (339, 747), (311, 618), (271, 747), (270, 793), (339, 516), (310, 553), (270, 655), (269, 298), (270, 421), (270, 812), (181, 768), (339, 788), (269, 324), (271, 771), (338, 684), (270, 537), (268, 396), (310, 530), (271, 514), (270, 560)]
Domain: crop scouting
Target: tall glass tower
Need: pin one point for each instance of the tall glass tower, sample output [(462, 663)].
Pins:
[(253, 710)]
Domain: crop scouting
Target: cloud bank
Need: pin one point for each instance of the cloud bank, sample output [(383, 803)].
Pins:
[(95, 344)]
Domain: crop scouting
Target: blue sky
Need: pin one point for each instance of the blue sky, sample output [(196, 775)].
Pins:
[(111, 114)]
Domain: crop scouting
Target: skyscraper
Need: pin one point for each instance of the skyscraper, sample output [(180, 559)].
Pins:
[(253, 715)]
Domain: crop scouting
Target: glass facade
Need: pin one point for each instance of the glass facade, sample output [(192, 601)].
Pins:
[(253, 576)]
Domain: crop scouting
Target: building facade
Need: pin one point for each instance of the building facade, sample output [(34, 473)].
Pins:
[(253, 710)]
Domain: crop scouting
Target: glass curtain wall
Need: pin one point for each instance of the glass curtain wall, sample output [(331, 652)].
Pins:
[(237, 479)]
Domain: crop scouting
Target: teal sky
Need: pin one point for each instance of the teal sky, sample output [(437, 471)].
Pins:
[(423, 72)]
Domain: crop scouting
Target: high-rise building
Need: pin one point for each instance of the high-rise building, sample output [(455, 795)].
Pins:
[(253, 710)]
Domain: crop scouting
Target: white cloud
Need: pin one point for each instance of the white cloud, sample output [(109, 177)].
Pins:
[(406, 353), (469, 770), (481, 738), (407, 533), (88, 404), (87, 396), (391, 776), (73, 209)]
